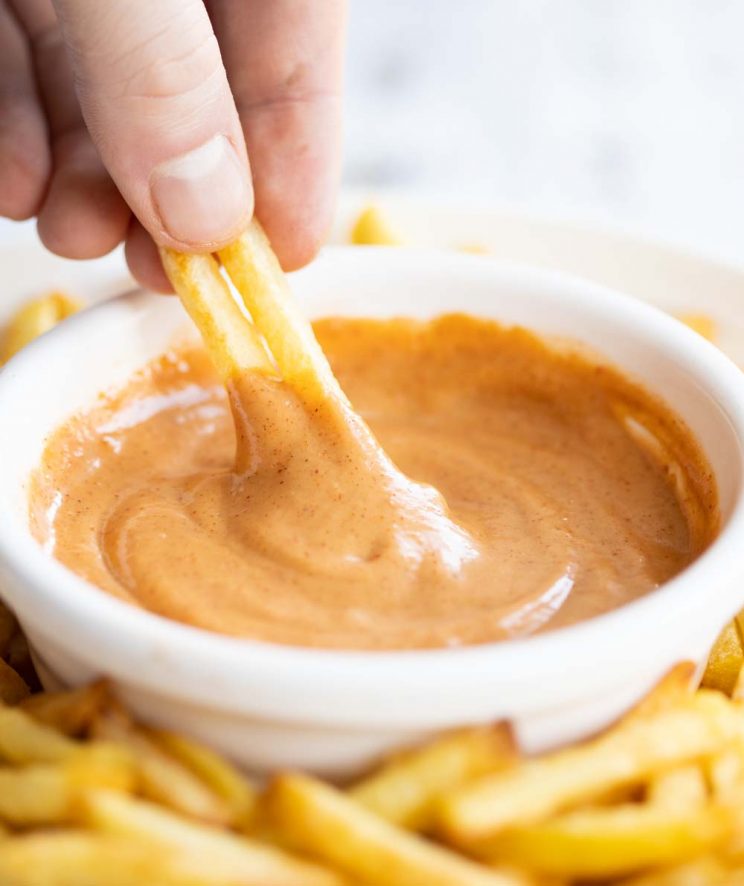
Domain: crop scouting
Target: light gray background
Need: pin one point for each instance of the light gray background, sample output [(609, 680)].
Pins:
[(630, 111), (627, 110)]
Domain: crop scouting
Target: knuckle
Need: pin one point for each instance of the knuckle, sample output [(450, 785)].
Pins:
[(148, 74)]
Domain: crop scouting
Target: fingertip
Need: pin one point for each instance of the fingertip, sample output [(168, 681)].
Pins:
[(83, 214), (296, 215), (296, 241), (295, 157), (203, 198), (143, 259)]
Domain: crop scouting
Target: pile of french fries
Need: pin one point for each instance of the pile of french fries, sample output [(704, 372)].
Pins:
[(33, 319), (89, 796)]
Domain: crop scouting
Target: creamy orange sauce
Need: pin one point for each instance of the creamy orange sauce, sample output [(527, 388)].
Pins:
[(543, 489)]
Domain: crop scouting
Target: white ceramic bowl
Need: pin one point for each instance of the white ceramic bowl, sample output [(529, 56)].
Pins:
[(271, 706)]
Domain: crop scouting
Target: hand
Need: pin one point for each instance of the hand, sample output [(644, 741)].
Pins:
[(173, 98)]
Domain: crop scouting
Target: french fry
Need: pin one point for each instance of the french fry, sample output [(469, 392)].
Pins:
[(372, 228), (737, 693), (703, 324), (705, 871), (162, 777), (696, 727), (247, 861), (77, 858), (406, 789), (72, 711), (256, 274), (36, 795), (48, 793), (13, 688), (23, 740), (328, 825), (231, 339), (73, 858), (34, 319), (613, 841), (674, 687), (676, 789), (237, 792), (725, 660), (726, 774)]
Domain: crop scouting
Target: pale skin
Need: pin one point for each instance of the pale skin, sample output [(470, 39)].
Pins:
[(170, 123)]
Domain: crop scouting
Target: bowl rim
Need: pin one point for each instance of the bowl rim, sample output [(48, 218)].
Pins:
[(62, 599)]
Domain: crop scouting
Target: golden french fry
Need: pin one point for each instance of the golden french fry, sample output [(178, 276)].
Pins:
[(13, 688), (704, 871), (674, 687), (725, 660), (100, 764), (23, 740), (703, 324), (613, 841), (231, 339), (256, 274), (248, 861), (372, 229), (72, 711), (328, 825), (237, 792), (695, 727), (162, 777), (33, 319), (36, 795), (726, 774), (49, 793), (406, 789), (679, 789)]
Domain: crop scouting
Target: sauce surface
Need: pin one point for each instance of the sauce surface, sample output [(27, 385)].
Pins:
[(566, 491)]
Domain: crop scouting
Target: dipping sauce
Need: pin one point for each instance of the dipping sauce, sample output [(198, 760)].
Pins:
[(566, 491)]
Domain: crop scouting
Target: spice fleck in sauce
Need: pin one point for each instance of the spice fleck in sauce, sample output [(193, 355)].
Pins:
[(544, 489)]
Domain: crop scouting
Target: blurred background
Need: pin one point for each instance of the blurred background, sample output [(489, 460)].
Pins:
[(628, 111)]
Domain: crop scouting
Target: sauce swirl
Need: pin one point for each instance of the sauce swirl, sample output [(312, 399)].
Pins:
[(545, 488)]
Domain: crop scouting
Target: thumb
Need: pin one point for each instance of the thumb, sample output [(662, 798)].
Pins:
[(156, 100)]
